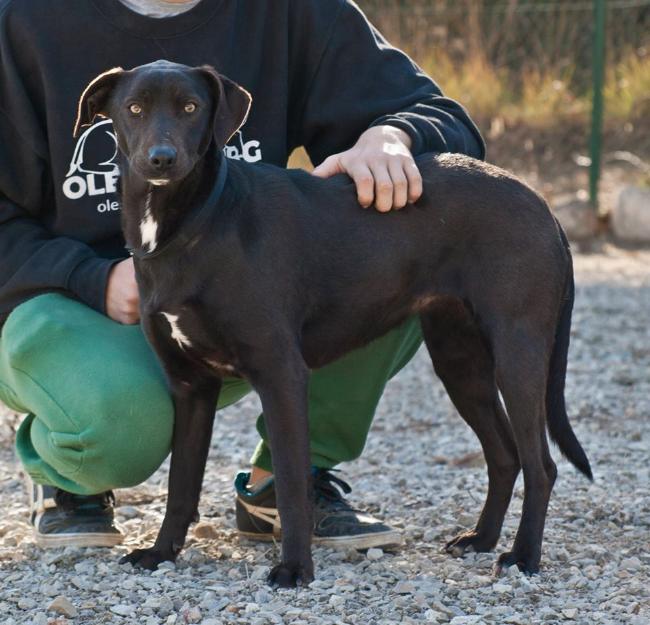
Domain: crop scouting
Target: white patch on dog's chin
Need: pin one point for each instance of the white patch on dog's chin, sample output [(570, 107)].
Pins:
[(177, 333), (148, 227), (158, 182)]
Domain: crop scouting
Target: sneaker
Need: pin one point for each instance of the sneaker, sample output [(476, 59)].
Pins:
[(62, 519), (336, 523)]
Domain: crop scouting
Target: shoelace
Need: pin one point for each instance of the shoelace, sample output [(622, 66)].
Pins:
[(70, 502), (328, 487)]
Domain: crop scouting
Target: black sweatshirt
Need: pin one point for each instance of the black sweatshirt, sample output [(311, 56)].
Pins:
[(319, 74)]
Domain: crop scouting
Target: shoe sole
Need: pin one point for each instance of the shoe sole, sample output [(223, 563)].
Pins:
[(51, 541), (368, 541)]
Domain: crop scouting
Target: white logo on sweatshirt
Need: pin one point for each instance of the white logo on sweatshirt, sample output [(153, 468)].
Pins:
[(88, 174), (94, 172), (248, 151)]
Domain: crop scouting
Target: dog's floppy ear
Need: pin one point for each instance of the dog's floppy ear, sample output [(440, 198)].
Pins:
[(94, 99), (232, 104)]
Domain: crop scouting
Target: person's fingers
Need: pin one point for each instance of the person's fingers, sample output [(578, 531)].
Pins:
[(383, 186), (400, 183), (329, 167), (414, 178), (365, 183), (129, 315), (133, 299)]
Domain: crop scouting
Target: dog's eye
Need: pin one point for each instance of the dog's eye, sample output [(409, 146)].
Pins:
[(190, 107), (136, 109)]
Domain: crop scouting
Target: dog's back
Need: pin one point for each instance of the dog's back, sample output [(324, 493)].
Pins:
[(468, 236)]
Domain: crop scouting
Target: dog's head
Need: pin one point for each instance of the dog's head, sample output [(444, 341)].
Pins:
[(165, 115)]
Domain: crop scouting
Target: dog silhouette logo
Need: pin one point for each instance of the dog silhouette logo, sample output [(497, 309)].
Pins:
[(93, 169)]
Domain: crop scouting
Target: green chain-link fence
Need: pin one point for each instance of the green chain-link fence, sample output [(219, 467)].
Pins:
[(532, 62)]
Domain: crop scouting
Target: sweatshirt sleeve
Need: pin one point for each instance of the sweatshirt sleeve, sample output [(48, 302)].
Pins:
[(359, 80), (32, 259)]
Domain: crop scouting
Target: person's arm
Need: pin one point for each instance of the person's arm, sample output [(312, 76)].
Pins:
[(361, 87), (32, 259)]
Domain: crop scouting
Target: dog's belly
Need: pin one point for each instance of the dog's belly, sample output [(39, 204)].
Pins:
[(327, 339)]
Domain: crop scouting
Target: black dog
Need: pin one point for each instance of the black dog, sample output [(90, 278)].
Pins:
[(265, 273)]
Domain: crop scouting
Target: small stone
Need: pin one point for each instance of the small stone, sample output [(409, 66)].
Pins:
[(166, 606), (577, 217), (63, 606), (336, 601), (260, 572), (222, 604), (152, 602), (516, 619), (167, 566), (375, 554), (25, 603), (630, 216), (263, 596), (128, 512), (193, 615), (433, 616), (570, 613), (206, 531), (501, 588), (465, 620), (631, 564), (404, 588), (123, 610), (40, 618)]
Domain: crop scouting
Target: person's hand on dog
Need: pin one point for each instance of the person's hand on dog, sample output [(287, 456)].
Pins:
[(122, 297), (382, 167)]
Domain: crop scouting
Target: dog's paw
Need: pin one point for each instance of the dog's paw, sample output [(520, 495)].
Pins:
[(146, 558), (526, 564), (469, 541), (291, 575)]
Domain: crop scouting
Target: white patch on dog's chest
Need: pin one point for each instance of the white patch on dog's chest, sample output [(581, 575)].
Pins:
[(220, 366), (177, 333), (148, 228)]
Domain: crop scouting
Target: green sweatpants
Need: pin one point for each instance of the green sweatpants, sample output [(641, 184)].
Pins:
[(99, 415)]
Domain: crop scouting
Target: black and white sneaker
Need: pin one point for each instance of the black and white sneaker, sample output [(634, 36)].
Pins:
[(336, 523), (62, 519)]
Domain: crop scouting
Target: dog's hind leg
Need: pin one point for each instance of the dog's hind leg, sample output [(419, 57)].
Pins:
[(462, 360), (522, 355), (281, 379)]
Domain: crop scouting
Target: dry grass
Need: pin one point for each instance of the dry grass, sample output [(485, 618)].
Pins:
[(627, 89), (540, 98)]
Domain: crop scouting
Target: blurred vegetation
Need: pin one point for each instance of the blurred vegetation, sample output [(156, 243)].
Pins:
[(524, 60), (523, 69)]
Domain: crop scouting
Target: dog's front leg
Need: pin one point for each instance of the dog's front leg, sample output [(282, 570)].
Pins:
[(193, 420), (283, 390)]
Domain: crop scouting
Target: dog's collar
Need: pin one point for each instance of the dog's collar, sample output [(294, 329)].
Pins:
[(193, 223)]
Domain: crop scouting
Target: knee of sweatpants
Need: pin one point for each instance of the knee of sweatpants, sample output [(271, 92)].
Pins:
[(34, 325), (127, 448), (118, 446)]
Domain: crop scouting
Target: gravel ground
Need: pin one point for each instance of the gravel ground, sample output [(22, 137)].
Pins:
[(422, 471)]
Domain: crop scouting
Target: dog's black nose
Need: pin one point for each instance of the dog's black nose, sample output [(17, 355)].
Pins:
[(162, 157)]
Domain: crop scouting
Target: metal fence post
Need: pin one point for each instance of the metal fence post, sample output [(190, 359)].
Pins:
[(598, 69)]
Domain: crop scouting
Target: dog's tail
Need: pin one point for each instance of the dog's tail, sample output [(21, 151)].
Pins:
[(556, 417)]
